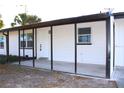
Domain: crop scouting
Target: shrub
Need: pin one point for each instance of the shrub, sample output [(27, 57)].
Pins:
[(3, 59), (12, 58)]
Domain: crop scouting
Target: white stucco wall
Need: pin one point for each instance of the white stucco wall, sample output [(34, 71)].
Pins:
[(112, 42), (119, 42), (13, 43), (43, 38), (63, 43), (3, 51), (95, 53)]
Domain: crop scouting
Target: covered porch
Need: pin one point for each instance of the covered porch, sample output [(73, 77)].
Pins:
[(91, 58)]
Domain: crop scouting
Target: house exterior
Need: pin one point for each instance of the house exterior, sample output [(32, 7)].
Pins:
[(92, 39)]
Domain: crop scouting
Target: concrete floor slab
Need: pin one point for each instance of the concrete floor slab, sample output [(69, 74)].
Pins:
[(118, 75), (82, 68)]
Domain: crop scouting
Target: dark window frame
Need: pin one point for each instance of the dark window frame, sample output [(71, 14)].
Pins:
[(83, 35), (26, 41)]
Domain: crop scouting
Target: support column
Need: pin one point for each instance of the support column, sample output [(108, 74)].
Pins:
[(51, 39), (75, 43), (23, 45), (33, 47), (36, 42), (19, 47), (109, 46), (7, 46)]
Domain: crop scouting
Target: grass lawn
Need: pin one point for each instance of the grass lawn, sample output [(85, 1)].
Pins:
[(14, 76)]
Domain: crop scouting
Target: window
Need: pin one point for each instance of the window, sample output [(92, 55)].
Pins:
[(23, 42), (1, 42), (84, 35), (27, 42)]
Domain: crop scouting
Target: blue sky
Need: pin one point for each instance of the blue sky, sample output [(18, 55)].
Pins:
[(56, 9)]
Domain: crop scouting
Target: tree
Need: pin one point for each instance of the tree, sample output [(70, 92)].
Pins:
[(1, 22), (24, 19), (33, 19)]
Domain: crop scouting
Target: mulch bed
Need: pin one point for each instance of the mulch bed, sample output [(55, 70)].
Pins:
[(14, 76)]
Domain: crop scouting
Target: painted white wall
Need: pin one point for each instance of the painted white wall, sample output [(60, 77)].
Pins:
[(63, 43), (119, 42), (95, 53), (3, 51), (13, 43), (112, 42), (43, 38)]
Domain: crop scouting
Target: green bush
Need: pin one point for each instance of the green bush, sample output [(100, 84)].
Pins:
[(3, 59), (12, 58)]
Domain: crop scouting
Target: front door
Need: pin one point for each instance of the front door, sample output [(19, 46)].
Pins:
[(43, 43)]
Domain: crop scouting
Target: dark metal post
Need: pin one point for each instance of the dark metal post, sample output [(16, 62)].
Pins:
[(33, 47), (23, 44), (19, 46), (75, 43), (108, 47), (36, 42), (51, 38), (7, 46)]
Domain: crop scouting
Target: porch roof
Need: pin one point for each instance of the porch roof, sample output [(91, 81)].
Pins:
[(118, 15), (86, 18)]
